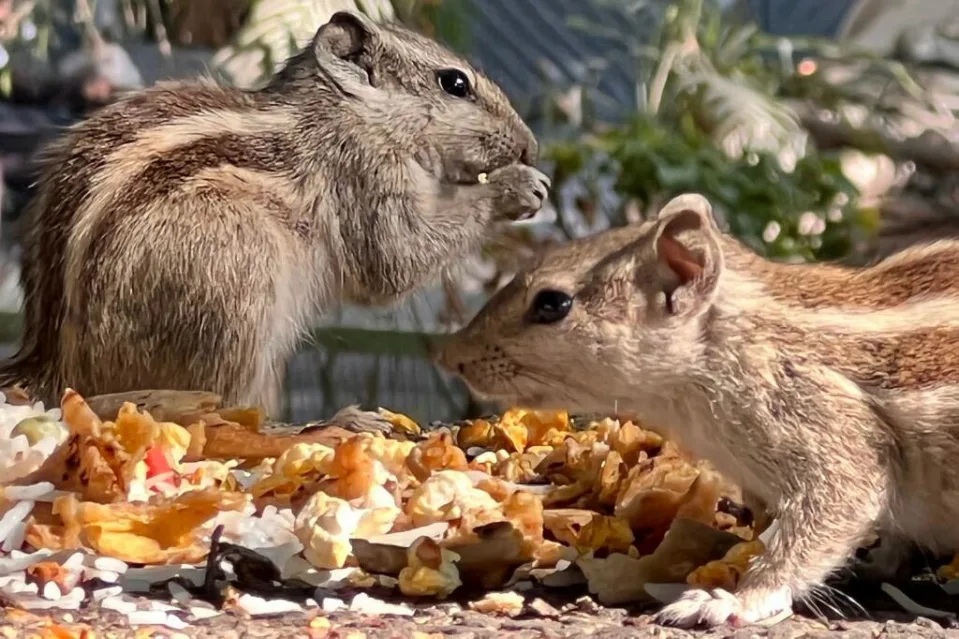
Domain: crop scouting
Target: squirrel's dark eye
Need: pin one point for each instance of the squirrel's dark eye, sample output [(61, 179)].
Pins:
[(550, 307), (454, 82)]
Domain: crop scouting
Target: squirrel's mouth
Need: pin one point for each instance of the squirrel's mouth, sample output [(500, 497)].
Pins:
[(467, 174), (469, 179)]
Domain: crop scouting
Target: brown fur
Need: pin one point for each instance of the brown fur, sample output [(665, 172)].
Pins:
[(834, 286), (186, 236), (830, 393)]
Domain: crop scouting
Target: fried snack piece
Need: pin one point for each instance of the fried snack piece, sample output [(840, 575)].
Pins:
[(301, 465), (446, 496), (165, 531), (236, 441), (438, 452), (100, 461), (515, 430), (725, 573), (949, 571), (430, 571), (324, 526), (401, 423)]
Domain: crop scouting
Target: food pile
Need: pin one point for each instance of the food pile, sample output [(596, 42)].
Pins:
[(171, 495)]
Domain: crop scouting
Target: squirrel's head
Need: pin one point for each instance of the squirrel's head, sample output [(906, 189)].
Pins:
[(599, 318), (427, 100)]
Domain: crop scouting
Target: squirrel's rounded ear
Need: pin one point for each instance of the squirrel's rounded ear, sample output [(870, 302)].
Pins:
[(688, 253), (689, 203), (345, 35)]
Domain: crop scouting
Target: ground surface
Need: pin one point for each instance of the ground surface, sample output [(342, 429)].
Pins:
[(450, 620)]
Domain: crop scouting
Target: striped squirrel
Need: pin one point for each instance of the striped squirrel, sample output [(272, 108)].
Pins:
[(187, 236), (831, 393)]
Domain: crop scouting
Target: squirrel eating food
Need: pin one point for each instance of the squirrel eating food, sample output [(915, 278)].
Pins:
[(829, 392), (187, 236)]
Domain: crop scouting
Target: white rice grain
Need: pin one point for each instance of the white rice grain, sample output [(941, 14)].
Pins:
[(16, 515)]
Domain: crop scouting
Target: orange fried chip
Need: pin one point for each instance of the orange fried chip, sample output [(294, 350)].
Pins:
[(146, 533), (351, 471), (83, 466), (511, 432), (99, 460), (949, 571), (401, 423), (605, 533), (438, 452), (546, 428), (476, 433), (726, 573), (521, 468), (78, 415), (251, 417), (515, 430), (633, 443), (525, 511), (614, 471)]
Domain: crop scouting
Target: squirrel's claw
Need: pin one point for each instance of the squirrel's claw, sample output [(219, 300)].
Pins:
[(718, 607)]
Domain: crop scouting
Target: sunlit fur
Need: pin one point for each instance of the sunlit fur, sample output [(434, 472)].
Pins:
[(187, 236), (830, 393)]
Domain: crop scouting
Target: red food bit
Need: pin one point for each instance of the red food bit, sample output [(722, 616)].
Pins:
[(157, 464)]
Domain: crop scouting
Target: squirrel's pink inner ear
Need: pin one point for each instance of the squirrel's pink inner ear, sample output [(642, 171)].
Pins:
[(678, 258)]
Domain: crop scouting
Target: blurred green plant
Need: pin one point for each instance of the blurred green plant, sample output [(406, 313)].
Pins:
[(807, 212), (715, 115)]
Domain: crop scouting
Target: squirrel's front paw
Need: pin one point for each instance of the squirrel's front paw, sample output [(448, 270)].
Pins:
[(518, 191), (718, 607)]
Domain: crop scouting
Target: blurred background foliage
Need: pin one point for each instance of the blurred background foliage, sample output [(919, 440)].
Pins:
[(809, 148)]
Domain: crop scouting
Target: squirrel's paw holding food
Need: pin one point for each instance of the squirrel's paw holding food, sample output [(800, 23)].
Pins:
[(356, 420), (518, 191), (717, 607)]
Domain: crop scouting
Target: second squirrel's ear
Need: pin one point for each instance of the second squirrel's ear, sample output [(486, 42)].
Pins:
[(689, 259), (346, 35)]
